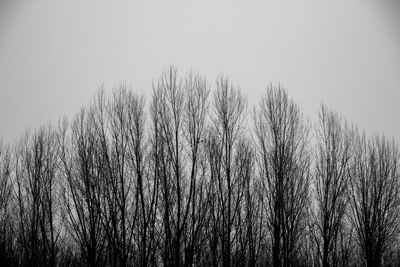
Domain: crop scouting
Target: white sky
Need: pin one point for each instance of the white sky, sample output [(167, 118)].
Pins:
[(54, 56)]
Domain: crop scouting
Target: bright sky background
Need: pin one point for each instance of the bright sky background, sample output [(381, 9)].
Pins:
[(345, 53)]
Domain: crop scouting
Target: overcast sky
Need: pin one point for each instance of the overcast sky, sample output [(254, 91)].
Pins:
[(54, 56)]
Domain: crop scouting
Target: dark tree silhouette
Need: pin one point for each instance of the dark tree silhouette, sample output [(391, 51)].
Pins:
[(145, 189), (185, 182), (332, 172), (81, 167), (179, 113), (119, 194), (284, 159), (226, 165), (375, 199), (7, 228), (36, 192)]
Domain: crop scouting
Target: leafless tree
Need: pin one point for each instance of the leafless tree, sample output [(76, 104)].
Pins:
[(179, 110), (249, 220), (375, 198), (50, 202), (128, 192), (168, 102), (117, 181), (146, 187), (332, 171), (227, 126), (6, 200), (36, 193), (81, 167), (284, 162), (193, 186), (194, 124)]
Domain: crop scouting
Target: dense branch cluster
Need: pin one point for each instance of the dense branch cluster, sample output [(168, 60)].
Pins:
[(195, 178)]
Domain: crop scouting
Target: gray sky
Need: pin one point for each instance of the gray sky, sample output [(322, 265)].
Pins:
[(54, 56)]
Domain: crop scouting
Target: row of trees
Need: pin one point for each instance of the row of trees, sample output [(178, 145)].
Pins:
[(194, 182)]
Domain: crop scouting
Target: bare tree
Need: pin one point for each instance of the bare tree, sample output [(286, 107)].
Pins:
[(146, 187), (284, 162), (179, 110), (36, 193), (6, 200), (82, 189), (374, 198), (249, 219), (50, 202), (168, 102), (118, 195), (332, 171), (228, 185), (194, 124), (28, 202), (193, 187)]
